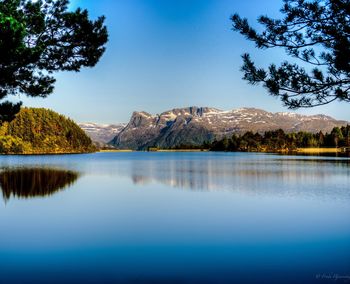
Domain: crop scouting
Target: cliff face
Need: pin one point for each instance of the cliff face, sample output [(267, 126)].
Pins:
[(196, 125), (42, 131), (140, 132)]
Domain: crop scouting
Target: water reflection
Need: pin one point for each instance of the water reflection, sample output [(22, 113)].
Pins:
[(268, 219), (34, 182), (285, 176)]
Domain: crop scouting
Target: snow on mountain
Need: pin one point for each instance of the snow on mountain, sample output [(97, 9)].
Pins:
[(102, 133), (195, 125)]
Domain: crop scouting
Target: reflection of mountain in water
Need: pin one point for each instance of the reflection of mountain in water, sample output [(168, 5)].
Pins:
[(306, 177), (33, 182)]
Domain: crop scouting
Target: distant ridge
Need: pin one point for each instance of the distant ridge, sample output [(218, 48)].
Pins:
[(196, 125), (102, 133)]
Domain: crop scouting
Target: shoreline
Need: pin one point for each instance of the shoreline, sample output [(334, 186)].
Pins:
[(306, 151), (340, 150), (45, 154), (114, 150)]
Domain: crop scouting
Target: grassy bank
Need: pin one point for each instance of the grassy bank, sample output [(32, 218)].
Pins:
[(319, 150)]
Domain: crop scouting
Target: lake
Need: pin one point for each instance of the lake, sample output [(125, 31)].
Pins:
[(174, 218)]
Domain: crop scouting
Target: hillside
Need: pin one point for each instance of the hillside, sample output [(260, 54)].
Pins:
[(196, 125), (42, 131)]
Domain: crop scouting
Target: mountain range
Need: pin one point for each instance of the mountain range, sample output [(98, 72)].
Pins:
[(102, 133), (196, 125)]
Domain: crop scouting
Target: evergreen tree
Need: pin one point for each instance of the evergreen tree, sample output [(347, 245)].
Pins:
[(337, 136), (317, 33), (39, 38)]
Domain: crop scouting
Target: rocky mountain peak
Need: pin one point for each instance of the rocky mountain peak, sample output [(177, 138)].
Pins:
[(140, 118), (196, 125)]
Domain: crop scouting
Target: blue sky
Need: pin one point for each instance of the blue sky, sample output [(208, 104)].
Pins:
[(164, 54)]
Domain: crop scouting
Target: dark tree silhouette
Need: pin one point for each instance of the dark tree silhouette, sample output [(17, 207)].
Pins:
[(34, 182), (315, 32), (39, 38)]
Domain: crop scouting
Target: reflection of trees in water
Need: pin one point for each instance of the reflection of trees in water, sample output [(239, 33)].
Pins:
[(33, 182), (278, 177)]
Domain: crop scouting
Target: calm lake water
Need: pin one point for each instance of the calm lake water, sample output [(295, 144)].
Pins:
[(174, 218)]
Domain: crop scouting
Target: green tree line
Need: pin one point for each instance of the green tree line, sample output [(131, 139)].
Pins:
[(278, 140)]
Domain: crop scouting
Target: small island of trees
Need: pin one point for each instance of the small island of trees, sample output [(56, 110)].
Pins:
[(42, 131)]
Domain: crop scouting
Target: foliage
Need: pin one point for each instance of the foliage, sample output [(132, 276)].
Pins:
[(42, 131), (278, 140), (317, 33), (38, 38), (10, 144)]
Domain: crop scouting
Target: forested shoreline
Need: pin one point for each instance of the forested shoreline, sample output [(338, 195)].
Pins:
[(277, 141)]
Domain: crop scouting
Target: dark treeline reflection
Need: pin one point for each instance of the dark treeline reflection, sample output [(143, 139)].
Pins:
[(34, 182), (278, 177)]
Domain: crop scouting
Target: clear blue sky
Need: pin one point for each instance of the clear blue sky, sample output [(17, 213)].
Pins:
[(164, 54)]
